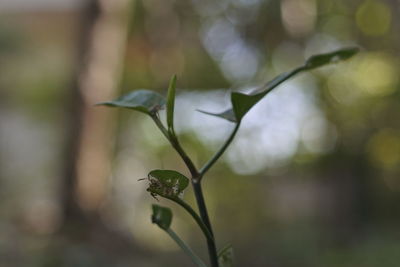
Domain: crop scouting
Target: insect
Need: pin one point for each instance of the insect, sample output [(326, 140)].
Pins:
[(165, 186), (155, 185)]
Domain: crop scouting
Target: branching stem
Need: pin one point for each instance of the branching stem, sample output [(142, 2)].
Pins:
[(219, 153), (195, 216), (212, 248)]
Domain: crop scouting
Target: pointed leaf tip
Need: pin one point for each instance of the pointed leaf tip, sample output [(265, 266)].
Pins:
[(227, 114), (331, 57), (143, 100)]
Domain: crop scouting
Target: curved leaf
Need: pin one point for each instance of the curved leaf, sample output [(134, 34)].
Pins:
[(167, 183), (171, 103), (242, 103), (161, 216), (145, 101)]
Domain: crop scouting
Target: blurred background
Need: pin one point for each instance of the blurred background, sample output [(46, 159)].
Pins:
[(312, 178)]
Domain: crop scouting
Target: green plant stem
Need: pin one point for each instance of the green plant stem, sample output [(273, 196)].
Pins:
[(196, 217), (212, 248), (176, 145), (219, 153), (196, 177), (185, 248)]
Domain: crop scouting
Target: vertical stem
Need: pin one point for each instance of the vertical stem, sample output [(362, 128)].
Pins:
[(212, 249), (198, 192)]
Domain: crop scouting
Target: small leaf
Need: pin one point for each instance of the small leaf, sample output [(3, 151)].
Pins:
[(171, 103), (225, 256), (242, 103), (323, 59), (167, 183), (145, 101), (161, 216)]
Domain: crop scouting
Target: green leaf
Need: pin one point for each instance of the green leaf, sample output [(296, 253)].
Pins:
[(225, 256), (323, 59), (145, 101), (167, 183), (171, 104), (227, 114), (242, 103), (161, 216)]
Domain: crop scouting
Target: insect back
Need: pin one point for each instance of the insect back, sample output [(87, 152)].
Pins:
[(167, 183)]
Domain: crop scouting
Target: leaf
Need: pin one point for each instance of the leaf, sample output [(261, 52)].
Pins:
[(323, 59), (167, 183), (145, 101), (161, 216), (171, 103), (225, 256), (227, 114), (242, 103)]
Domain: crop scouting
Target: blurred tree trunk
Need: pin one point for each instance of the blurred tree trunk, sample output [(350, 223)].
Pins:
[(89, 132), (90, 136)]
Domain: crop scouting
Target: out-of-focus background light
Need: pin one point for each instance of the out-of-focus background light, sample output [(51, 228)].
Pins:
[(312, 178)]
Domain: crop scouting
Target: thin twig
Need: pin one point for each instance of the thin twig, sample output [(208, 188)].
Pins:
[(185, 248), (219, 153)]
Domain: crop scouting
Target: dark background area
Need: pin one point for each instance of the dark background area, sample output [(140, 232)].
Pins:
[(312, 178)]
